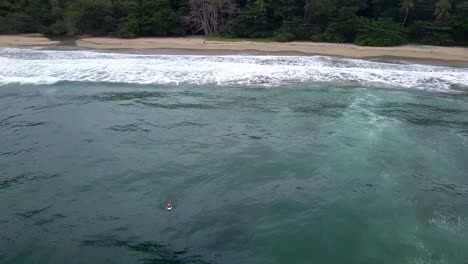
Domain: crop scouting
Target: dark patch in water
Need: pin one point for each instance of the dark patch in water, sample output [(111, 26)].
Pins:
[(129, 96), (26, 177), (178, 106), (158, 253), (123, 228), (449, 189), (425, 115), (14, 153), (12, 181), (52, 219), (413, 107), (194, 94), (109, 218), (48, 106), (436, 122), (5, 120), (188, 123), (127, 104), (333, 110), (129, 128), (28, 124), (30, 214)]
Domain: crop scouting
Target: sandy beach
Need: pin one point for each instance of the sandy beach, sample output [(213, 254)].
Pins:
[(26, 40), (197, 45), (455, 54)]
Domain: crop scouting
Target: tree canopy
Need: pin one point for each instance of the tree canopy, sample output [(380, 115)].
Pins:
[(364, 22)]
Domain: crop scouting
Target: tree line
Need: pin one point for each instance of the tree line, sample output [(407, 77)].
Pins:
[(364, 22)]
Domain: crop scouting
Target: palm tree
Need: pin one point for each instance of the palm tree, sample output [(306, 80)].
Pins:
[(217, 3), (261, 5), (319, 9), (443, 8), (53, 3), (405, 7), (208, 15)]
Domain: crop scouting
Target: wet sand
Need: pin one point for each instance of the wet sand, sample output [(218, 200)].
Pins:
[(26, 40), (456, 56)]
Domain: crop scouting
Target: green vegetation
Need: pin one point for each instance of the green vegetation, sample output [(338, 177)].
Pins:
[(363, 22), (381, 32)]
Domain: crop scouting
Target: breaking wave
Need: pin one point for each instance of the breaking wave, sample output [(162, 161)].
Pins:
[(35, 66)]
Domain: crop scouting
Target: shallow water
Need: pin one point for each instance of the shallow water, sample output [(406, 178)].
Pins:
[(272, 167)]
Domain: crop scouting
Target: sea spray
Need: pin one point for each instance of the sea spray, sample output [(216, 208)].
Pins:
[(36, 66)]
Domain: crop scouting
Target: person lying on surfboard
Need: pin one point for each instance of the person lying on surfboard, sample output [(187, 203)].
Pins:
[(169, 206)]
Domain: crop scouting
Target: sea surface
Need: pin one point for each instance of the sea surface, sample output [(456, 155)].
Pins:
[(267, 159)]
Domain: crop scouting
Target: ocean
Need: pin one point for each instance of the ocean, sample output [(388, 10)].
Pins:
[(267, 159)]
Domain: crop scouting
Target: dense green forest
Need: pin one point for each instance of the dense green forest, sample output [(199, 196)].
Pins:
[(364, 22)]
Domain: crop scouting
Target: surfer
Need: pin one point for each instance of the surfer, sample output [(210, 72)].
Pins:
[(169, 206)]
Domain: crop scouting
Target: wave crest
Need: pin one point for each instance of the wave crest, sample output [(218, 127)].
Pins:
[(34, 66)]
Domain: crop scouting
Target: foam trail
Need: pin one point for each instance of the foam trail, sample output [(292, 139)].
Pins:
[(49, 66)]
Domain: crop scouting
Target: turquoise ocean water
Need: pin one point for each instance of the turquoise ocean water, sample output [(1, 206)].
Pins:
[(266, 159)]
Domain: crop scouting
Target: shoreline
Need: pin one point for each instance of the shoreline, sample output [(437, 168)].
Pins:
[(26, 40), (434, 55), (456, 56)]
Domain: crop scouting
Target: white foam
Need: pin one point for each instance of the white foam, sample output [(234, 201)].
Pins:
[(50, 66)]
